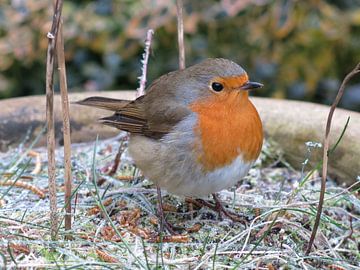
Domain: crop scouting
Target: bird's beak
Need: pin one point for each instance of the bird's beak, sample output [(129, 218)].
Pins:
[(251, 85)]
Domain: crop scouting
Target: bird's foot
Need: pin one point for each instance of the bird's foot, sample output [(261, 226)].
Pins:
[(170, 228), (222, 210), (219, 208)]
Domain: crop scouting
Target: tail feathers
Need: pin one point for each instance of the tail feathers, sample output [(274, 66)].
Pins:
[(110, 104)]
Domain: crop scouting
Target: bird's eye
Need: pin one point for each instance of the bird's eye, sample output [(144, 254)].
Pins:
[(217, 86)]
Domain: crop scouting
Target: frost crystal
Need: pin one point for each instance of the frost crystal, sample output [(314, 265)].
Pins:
[(313, 144)]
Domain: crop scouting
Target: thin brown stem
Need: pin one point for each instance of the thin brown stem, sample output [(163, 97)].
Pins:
[(180, 30), (161, 215), (66, 126), (117, 159), (50, 59), (340, 93)]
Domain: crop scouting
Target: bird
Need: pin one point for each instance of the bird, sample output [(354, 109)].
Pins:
[(195, 131)]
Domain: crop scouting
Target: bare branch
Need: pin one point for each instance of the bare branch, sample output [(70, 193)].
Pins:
[(340, 93), (52, 36), (66, 126), (180, 29), (144, 61)]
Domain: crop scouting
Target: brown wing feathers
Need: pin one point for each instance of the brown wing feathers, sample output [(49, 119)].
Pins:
[(129, 115), (124, 123)]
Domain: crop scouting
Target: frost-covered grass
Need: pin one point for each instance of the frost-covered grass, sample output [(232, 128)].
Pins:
[(125, 235)]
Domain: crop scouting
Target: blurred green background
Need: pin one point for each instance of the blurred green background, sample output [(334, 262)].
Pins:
[(298, 49)]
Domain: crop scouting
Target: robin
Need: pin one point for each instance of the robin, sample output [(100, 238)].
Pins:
[(195, 132)]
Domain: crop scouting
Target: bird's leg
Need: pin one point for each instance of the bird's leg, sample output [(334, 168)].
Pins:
[(160, 212), (219, 207)]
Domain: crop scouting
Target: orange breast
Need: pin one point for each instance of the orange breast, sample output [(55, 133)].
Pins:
[(228, 126)]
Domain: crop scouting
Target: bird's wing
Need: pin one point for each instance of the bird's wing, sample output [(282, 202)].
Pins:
[(138, 117), (131, 118), (129, 115), (135, 118)]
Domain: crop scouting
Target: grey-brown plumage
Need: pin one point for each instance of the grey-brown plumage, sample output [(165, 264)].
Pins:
[(166, 141), (153, 116)]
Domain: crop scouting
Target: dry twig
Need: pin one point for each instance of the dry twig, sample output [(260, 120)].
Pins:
[(106, 257), (180, 30), (340, 93), (36, 155), (50, 59), (24, 185), (142, 83), (66, 126), (171, 239), (117, 159)]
